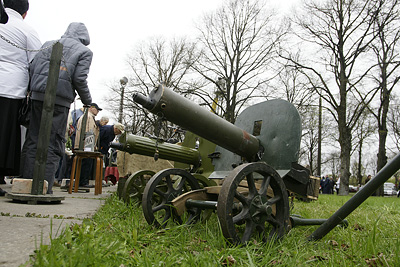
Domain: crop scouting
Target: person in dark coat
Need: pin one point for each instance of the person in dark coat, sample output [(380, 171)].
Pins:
[(72, 79), (107, 135), (331, 185), (325, 185)]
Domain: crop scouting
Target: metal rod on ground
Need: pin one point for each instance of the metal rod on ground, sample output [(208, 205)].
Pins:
[(204, 204), (383, 175), (46, 120), (297, 221)]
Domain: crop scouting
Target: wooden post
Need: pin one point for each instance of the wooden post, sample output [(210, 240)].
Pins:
[(46, 120)]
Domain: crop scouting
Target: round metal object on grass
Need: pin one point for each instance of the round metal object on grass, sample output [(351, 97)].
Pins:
[(134, 186), (253, 202), (159, 192)]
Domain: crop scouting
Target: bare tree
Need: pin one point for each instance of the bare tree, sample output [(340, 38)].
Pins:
[(364, 130), (159, 61), (131, 117), (386, 49), (151, 63), (394, 124), (291, 86), (310, 137), (338, 32), (333, 159), (240, 40)]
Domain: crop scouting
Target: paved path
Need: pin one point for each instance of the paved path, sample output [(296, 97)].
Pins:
[(23, 227)]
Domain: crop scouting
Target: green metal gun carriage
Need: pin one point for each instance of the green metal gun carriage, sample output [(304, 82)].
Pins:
[(255, 164)]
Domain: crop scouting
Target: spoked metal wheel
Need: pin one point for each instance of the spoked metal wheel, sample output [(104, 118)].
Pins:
[(134, 186), (253, 202), (159, 192)]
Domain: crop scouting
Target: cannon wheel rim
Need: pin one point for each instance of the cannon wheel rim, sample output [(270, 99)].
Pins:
[(255, 213), (152, 191), (134, 190)]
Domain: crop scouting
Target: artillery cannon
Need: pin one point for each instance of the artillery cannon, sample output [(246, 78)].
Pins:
[(255, 161), (190, 157)]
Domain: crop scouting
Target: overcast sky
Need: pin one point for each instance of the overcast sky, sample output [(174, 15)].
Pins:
[(116, 26)]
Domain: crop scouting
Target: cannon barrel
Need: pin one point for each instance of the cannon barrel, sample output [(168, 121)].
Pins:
[(134, 144), (183, 112)]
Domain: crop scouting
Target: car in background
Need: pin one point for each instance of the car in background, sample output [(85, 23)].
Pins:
[(353, 188), (389, 189)]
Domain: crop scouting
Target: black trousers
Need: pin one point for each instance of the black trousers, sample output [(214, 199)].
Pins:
[(10, 136), (86, 171), (56, 143)]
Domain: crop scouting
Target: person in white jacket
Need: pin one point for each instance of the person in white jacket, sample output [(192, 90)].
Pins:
[(337, 186), (18, 46)]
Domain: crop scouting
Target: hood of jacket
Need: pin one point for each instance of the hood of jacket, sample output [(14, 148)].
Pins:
[(77, 31)]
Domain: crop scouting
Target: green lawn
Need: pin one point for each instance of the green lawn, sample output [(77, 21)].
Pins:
[(118, 235)]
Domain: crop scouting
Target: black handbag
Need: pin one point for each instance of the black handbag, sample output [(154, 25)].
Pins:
[(24, 113)]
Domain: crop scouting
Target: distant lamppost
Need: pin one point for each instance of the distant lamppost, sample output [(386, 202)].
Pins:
[(123, 81)]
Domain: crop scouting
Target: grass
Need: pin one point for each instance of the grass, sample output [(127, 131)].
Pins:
[(118, 235)]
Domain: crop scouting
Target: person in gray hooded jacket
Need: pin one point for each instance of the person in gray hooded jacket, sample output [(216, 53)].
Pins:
[(72, 79)]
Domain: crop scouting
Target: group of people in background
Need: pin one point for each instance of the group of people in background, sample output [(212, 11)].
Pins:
[(328, 185), (103, 135), (25, 64)]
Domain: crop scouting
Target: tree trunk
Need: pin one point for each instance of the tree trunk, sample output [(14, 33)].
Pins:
[(382, 127), (382, 158), (345, 145), (344, 129), (319, 157), (311, 163), (359, 176), (344, 167)]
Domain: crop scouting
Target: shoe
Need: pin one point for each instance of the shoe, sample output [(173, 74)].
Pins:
[(87, 186), (2, 193), (65, 187), (57, 184), (105, 185)]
